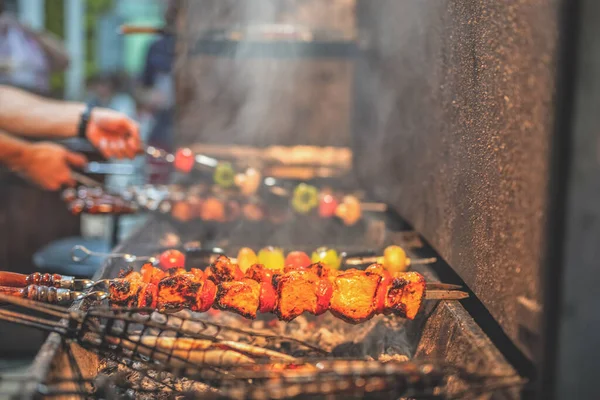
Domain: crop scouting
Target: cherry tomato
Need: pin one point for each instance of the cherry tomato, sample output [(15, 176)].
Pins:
[(184, 160), (327, 206), (246, 258), (268, 297), (382, 291), (147, 272), (394, 259), (171, 259), (324, 293), (260, 273), (148, 296), (206, 296), (297, 259), (329, 257), (271, 258)]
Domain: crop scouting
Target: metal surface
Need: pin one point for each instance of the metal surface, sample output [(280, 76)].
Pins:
[(571, 359), (452, 120)]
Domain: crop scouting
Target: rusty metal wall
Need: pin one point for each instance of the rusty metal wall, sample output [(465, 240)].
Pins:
[(452, 119)]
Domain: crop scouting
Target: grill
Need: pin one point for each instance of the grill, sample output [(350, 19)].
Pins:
[(431, 346), (455, 129)]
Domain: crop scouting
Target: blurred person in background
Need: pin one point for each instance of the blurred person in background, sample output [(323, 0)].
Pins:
[(48, 164), (27, 58), (156, 93), (109, 90)]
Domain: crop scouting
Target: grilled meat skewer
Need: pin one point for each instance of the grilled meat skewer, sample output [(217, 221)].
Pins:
[(354, 296)]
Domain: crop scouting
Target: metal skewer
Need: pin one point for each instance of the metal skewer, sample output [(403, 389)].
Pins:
[(85, 180), (81, 253), (445, 295), (374, 259)]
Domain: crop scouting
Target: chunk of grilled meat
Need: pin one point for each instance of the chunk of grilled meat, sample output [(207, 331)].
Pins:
[(353, 298), (242, 297), (297, 294), (260, 273), (401, 294), (178, 291), (223, 270), (124, 291), (405, 296)]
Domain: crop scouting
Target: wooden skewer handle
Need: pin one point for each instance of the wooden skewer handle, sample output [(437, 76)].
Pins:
[(14, 279), (45, 294), (13, 291)]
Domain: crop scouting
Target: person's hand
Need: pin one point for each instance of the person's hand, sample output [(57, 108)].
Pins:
[(113, 133), (49, 165)]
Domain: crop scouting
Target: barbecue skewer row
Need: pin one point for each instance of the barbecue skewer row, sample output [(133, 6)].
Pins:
[(394, 257), (95, 200), (354, 296), (305, 200)]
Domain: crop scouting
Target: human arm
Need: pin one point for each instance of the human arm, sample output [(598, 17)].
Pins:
[(46, 164), (28, 115)]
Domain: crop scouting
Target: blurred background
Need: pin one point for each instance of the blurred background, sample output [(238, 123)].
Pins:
[(459, 116)]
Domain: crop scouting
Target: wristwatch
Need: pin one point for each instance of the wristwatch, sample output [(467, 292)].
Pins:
[(84, 121)]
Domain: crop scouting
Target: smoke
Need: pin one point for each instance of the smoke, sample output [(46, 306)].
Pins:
[(248, 98)]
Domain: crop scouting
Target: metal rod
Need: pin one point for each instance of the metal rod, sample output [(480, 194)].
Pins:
[(373, 207), (36, 306), (85, 253), (442, 286), (445, 295), (421, 261), (374, 259), (25, 320), (85, 180)]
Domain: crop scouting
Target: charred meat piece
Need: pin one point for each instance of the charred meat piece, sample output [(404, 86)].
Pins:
[(260, 273), (405, 295), (242, 297), (223, 270), (353, 295), (124, 291), (297, 294), (178, 291)]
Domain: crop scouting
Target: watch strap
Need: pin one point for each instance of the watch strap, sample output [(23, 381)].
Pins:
[(84, 122)]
